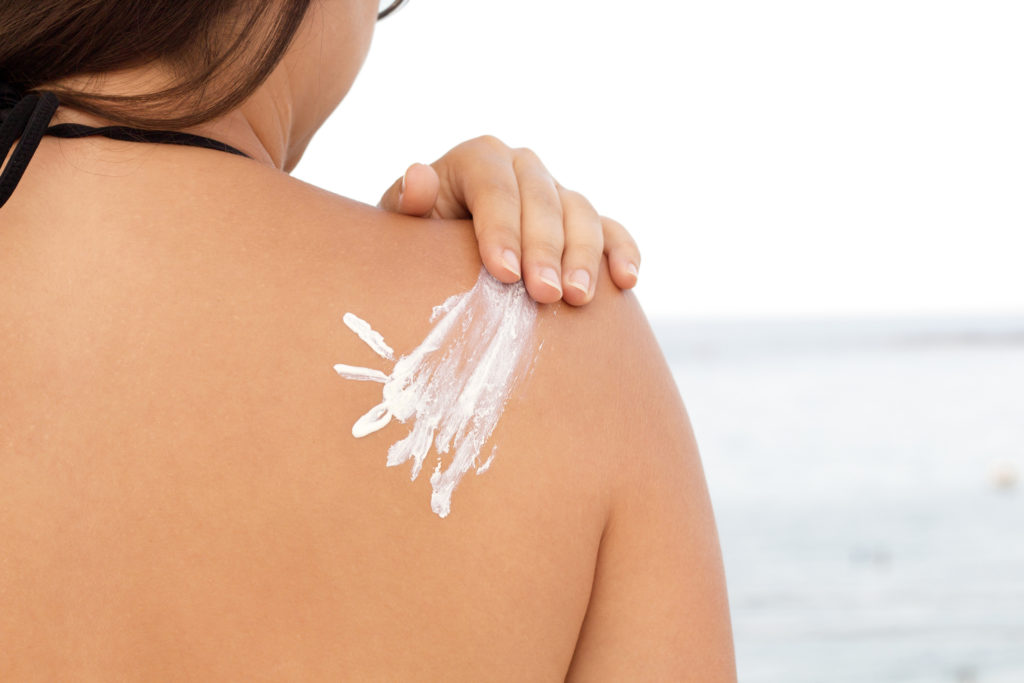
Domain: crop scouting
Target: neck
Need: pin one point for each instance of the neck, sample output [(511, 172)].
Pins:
[(260, 126)]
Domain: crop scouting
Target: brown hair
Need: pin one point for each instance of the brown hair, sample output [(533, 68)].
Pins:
[(223, 47)]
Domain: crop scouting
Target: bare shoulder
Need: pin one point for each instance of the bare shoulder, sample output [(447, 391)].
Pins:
[(595, 453), (658, 609), (599, 433)]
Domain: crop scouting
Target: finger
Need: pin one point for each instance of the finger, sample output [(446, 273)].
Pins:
[(543, 228), (584, 246), (415, 193), (420, 191), (486, 184), (623, 253)]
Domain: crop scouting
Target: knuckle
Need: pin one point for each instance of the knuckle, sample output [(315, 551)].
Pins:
[(508, 195), (498, 218), (612, 224), (548, 202), (498, 229), (627, 244), (586, 252), (581, 205), (502, 195), (575, 197), (617, 233), (527, 154), (549, 246), (532, 170), (491, 142)]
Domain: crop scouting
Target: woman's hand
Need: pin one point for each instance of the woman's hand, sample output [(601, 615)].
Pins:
[(522, 215)]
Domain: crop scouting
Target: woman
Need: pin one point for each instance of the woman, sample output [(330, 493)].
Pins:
[(182, 493)]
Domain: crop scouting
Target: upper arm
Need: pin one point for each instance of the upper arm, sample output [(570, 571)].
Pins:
[(658, 608)]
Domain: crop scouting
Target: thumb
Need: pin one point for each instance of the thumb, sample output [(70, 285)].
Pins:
[(415, 193)]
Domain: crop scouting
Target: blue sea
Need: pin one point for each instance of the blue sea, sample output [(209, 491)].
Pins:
[(868, 483)]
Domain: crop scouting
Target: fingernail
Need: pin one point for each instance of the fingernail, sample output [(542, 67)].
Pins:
[(580, 279), (549, 276), (632, 269), (511, 261), (401, 190)]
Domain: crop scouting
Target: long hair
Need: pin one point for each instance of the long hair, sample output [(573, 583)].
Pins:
[(217, 51)]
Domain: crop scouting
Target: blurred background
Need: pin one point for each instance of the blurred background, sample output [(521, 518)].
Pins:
[(829, 200)]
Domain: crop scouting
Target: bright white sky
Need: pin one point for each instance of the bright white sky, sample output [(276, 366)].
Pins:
[(771, 158)]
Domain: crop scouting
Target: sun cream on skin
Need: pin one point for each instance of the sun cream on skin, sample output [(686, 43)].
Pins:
[(455, 384), (355, 372), (372, 338)]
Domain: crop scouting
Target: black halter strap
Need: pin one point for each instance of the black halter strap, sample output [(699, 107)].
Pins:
[(26, 118)]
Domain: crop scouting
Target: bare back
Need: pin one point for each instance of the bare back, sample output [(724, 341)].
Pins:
[(181, 496)]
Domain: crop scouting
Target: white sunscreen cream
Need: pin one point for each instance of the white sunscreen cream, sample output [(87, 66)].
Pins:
[(455, 383), (372, 338)]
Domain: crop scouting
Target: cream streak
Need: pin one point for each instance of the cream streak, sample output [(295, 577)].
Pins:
[(356, 372), (455, 384), (372, 338)]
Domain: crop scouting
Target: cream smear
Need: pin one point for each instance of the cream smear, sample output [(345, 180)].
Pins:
[(455, 383), (372, 338)]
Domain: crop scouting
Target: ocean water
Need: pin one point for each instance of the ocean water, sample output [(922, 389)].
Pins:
[(868, 484)]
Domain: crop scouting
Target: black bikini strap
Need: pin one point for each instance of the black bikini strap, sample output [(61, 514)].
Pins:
[(27, 120), (169, 137)]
